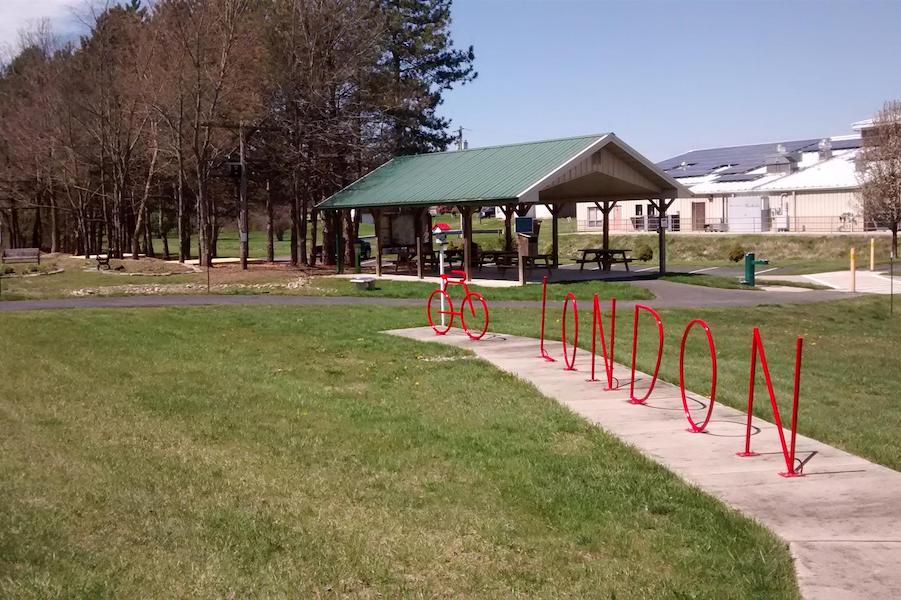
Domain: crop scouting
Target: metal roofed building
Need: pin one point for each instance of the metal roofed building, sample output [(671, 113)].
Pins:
[(792, 186), (601, 169)]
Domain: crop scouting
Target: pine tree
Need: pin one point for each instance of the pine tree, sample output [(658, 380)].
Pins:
[(418, 66)]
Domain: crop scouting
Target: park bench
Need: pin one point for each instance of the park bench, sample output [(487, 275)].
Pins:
[(21, 255), (103, 260)]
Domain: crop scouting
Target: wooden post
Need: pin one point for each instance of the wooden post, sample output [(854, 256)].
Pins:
[(466, 216), (508, 233), (419, 246), (661, 232), (555, 238), (376, 217)]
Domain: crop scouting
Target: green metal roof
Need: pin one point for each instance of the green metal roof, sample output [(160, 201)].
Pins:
[(494, 173)]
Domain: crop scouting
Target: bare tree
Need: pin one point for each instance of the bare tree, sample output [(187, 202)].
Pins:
[(879, 166)]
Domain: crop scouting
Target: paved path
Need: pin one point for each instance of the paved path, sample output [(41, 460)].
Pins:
[(842, 520), (668, 295), (868, 282)]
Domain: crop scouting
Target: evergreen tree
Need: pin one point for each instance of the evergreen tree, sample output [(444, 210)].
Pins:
[(418, 66)]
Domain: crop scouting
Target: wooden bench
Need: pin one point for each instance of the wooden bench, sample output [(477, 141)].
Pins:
[(530, 262), (103, 261), (21, 255)]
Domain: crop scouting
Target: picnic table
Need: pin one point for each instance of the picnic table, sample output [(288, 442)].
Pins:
[(510, 258), (604, 258), (500, 258)]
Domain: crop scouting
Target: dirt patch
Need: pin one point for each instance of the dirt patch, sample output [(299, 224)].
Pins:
[(150, 289)]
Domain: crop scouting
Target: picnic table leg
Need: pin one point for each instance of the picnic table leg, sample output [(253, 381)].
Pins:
[(582, 262)]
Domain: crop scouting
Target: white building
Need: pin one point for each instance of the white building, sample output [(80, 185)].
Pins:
[(798, 186)]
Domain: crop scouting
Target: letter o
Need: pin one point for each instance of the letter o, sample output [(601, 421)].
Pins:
[(695, 428), (570, 362)]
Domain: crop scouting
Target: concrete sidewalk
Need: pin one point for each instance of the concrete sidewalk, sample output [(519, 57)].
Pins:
[(842, 520), (868, 282)]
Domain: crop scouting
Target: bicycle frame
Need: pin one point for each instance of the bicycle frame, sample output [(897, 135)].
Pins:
[(457, 277)]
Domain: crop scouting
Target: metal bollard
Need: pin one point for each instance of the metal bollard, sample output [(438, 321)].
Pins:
[(853, 269)]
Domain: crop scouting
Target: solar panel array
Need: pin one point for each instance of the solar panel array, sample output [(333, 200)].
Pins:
[(732, 163)]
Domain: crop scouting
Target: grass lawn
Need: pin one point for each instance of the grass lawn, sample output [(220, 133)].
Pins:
[(279, 279), (275, 451), (850, 381), (795, 254), (334, 286)]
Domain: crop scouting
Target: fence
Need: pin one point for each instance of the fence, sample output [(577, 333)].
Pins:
[(774, 224)]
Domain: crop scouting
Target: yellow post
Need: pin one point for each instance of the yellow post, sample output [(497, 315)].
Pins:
[(853, 273), (872, 254)]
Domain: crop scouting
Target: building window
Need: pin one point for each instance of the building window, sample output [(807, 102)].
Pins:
[(595, 218), (638, 210)]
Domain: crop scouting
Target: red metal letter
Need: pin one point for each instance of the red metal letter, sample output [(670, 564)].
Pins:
[(570, 362), (695, 428), (597, 322), (638, 307), (544, 353), (787, 452)]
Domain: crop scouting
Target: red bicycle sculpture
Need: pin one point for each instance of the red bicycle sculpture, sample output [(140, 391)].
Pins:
[(473, 301)]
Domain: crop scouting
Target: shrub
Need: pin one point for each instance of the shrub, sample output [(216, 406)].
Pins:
[(643, 252), (6, 270), (736, 253)]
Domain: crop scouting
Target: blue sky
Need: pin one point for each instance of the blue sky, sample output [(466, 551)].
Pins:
[(671, 76), (667, 75)]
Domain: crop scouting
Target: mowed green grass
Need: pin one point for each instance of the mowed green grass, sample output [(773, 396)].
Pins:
[(850, 381), (792, 253), (297, 451), (334, 286)]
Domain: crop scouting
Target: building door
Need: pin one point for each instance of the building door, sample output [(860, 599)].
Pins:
[(698, 215)]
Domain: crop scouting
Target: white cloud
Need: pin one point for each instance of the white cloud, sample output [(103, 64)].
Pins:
[(16, 15)]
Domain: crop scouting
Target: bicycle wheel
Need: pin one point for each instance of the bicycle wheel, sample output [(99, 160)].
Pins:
[(436, 297), (475, 309)]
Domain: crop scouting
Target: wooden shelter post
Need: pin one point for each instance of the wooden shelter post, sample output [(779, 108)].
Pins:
[(508, 231), (606, 208), (376, 214), (662, 207), (420, 258), (555, 237), (466, 216)]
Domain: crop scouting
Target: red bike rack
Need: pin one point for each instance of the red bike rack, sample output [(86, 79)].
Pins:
[(469, 298), (640, 307), (544, 353), (570, 363), (695, 428), (788, 451), (597, 323)]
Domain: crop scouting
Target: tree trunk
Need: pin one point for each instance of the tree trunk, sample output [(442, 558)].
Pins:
[(314, 225), (304, 217), (270, 242), (295, 230), (36, 230), (184, 224), (54, 223), (349, 237), (148, 238)]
